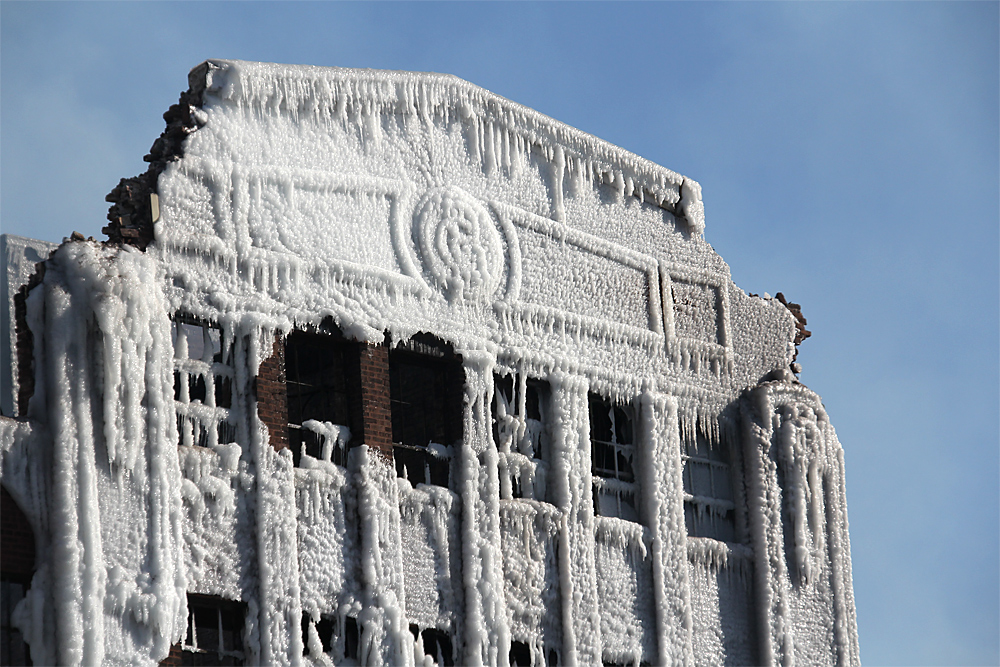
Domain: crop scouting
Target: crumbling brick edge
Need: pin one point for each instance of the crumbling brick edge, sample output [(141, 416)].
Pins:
[(131, 215)]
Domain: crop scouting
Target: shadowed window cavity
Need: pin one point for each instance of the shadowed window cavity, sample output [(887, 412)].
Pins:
[(521, 422), (612, 446), (214, 632), (318, 373), (708, 488), (203, 382), (426, 388)]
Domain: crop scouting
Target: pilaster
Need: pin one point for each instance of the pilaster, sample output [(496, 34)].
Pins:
[(660, 468), (487, 632), (572, 493)]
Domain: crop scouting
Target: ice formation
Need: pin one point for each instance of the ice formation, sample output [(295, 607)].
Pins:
[(390, 204)]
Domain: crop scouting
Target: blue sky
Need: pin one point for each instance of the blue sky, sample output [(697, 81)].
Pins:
[(848, 154)]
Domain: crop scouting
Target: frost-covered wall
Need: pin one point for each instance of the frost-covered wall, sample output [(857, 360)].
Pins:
[(394, 203)]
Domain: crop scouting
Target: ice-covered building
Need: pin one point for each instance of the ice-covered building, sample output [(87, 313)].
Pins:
[(381, 368)]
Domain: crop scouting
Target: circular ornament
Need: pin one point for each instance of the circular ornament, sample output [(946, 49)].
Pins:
[(458, 244)]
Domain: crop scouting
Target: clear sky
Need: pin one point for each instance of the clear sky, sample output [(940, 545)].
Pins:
[(849, 158)]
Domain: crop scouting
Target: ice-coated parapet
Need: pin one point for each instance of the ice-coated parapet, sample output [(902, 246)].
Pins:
[(402, 202), (499, 132)]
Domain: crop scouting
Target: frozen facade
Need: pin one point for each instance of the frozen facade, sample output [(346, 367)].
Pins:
[(381, 368)]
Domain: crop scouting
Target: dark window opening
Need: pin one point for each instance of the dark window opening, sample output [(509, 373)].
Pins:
[(515, 487), (436, 644), (520, 654), (192, 432), (214, 632), (17, 565), (326, 631), (224, 391), (708, 489), (612, 456), (203, 375), (426, 382), (352, 638), (13, 649), (420, 465), (339, 642), (521, 407), (227, 432), (320, 385)]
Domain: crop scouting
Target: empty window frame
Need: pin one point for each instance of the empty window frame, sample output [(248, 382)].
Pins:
[(425, 389), (203, 382), (214, 632), (708, 488), (612, 443), (521, 409), (321, 385)]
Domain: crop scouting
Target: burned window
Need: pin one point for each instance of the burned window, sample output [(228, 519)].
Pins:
[(612, 444), (425, 390), (338, 636), (708, 488), (203, 382), (214, 632), (521, 424), (320, 383), (435, 644)]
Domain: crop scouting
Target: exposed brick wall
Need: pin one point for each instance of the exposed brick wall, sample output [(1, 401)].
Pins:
[(801, 333), (373, 362), (174, 658), (352, 371), (272, 398), (17, 540), (368, 371), (131, 212)]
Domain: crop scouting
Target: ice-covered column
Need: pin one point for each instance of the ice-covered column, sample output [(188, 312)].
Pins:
[(385, 636), (572, 492), (774, 636), (277, 605), (104, 387), (839, 544), (798, 523), (487, 634), (660, 469)]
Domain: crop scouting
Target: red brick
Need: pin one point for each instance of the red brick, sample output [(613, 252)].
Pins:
[(373, 363), (272, 400), (174, 658)]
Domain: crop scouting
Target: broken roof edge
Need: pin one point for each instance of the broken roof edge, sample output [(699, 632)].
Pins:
[(331, 92)]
